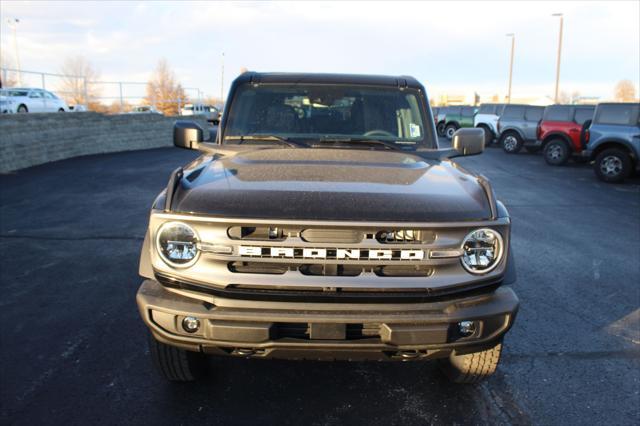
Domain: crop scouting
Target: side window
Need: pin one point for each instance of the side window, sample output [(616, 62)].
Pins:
[(534, 114), (36, 94), (49, 95), (499, 110), (583, 114), (557, 113), (487, 109), (513, 111), (617, 114), (468, 111), (454, 110)]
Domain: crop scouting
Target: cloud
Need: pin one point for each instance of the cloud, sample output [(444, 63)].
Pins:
[(447, 45)]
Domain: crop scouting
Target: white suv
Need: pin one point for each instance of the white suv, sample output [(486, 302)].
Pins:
[(487, 119)]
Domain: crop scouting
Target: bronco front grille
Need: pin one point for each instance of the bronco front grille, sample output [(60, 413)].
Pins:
[(332, 270)]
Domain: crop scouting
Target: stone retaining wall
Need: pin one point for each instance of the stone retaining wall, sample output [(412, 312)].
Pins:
[(30, 139)]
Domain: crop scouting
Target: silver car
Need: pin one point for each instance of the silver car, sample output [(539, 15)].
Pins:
[(22, 100)]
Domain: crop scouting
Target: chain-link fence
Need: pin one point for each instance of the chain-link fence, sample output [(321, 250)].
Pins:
[(102, 96)]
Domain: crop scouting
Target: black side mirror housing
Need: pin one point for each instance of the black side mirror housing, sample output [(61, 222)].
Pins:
[(468, 141), (187, 134)]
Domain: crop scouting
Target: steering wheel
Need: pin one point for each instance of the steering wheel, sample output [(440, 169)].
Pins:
[(379, 132)]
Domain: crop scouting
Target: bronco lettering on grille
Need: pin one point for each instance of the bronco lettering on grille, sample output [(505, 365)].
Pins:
[(327, 253)]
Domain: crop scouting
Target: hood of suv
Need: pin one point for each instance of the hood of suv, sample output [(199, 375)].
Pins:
[(331, 184)]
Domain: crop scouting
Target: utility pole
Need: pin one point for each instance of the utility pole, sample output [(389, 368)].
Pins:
[(513, 46), (13, 23), (559, 53), (222, 81)]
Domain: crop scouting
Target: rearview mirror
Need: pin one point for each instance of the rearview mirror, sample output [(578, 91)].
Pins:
[(468, 141), (187, 134)]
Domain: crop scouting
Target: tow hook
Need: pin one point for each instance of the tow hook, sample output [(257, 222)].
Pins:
[(242, 352)]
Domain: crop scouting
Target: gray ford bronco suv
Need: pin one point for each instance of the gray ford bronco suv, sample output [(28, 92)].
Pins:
[(322, 221)]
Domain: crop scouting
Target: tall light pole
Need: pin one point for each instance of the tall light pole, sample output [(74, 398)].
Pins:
[(513, 46), (13, 24), (558, 60), (222, 81)]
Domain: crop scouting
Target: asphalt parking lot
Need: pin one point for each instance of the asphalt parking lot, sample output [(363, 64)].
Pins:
[(73, 348)]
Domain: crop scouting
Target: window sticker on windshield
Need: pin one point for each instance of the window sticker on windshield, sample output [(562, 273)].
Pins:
[(414, 130)]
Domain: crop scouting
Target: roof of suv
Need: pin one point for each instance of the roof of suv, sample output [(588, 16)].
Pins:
[(318, 78)]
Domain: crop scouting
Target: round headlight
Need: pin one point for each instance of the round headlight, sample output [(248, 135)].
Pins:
[(482, 250), (177, 244)]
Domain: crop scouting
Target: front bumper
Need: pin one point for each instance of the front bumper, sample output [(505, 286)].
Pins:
[(296, 330)]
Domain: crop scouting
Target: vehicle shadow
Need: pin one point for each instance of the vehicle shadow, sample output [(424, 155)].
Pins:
[(314, 392)]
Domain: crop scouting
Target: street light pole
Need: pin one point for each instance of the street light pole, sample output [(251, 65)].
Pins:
[(558, 59), (13, 23), (513, 46), (222, 80)]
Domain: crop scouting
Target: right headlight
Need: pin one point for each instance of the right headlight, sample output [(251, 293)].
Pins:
[(177, 244), (482, 250)]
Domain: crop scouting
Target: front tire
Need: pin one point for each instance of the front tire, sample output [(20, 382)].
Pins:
[(174, 364), (450, 130), (556, 152), (613, 165), (511, 142), (473, 367)]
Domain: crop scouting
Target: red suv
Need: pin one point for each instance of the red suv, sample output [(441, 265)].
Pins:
[(563, 133)]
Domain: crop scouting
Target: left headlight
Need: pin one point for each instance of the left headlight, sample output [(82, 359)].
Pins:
[(482, 250), (177, 244)]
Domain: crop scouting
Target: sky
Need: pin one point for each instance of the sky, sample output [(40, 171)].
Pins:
[(451, 47)]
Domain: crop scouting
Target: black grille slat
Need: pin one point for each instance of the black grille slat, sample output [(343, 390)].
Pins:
[(301, 331)]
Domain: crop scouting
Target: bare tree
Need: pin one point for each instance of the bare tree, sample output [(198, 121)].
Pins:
[(7, 78), (76, 87), (625, 91), (564, 98), (164, 91), (575, 96)]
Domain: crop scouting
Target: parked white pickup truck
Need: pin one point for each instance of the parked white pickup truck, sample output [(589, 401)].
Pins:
[(212, 113)]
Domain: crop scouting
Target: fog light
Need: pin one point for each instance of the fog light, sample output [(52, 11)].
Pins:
[(467, 328), (190, 324)]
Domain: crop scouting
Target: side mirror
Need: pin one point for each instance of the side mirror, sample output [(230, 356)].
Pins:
[(187, 134), (469, 141)]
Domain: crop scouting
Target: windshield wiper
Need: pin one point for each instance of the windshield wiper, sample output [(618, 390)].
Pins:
[(361, 141), (267, 138)]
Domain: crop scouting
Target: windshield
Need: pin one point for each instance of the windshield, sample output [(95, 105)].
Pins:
[(328, 112)]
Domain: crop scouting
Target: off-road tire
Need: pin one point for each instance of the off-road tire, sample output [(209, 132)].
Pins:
[(440, 128), (617, 161), (473, 367), (556, 152), (174, 364), (511, 142), (450, 130), (22, 109)]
